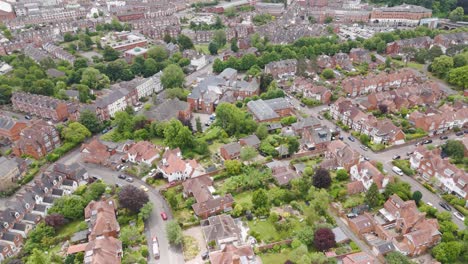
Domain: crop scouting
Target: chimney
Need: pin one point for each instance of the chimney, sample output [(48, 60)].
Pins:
[(236, 259), (108, 230)]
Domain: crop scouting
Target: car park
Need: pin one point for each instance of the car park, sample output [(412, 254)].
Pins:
[(445, 206), (459, 216), (129, 179)]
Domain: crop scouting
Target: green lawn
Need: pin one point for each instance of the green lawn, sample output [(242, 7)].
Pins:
[(274, 258), (203, 48), (158, 141), (244, 198), (266, 230), (70, 228)]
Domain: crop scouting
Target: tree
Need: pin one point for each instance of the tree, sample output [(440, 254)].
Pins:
[(90, 121), (321, 178), (94, 79), (293, 145), (150, 67), (213, 48), (132, 198), (457, 14), (80, 63), (219, 37), (173, 77), (417, 195), (434, 52), (402, 189), (110, 54), (75, 132), (342, 175), (234, 46), (233, 167), (260, 199), (198, 125), (158, 53), (55, 220), (442, 65), (174, 233), (262, 131), (184, 42), (328, 74), (129, 236), (5, 94), (365, 139), (459, 77), (38, 257), (71, 207), (328, 20), (233, 120), (248, 153), (298, 253), (454, 149), (177, 135), (306, 236), (167, 38), (383, 108), (447, 252), (373, 196), (396, 257), (460, 60), (324, 239), (145, 211)]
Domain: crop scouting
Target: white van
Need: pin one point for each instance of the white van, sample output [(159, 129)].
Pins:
[(397, 170)]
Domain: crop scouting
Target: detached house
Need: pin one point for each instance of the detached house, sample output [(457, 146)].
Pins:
[(175, 168), (222, 229), (208, 204), (316, 138), (143, 152), (282, 172), (230, 151), (366, 173), (96, 152)]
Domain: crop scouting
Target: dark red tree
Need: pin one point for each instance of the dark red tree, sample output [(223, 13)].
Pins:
[(132, 198), (324, 239), (383, 108), (321, 178), (55, 220)]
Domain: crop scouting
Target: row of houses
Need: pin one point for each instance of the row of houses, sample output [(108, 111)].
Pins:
[(437, 121), (430, 165), (381, 131), (361, 85), (28, 208), (444, 41)]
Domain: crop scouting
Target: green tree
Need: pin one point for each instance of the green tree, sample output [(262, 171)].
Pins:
[(94, 79), (233, 167), (158, 53), (38, 257), (5, 94), (150, 67), (328, 74), (218, 65), (234, 46), (459, 77), (402, 189), (90, 121), (71, 207), (80, 63), (373, 196), (233, 120), (365, 139), (174, 233), (173, 77), (306, 236), (129, 236), (457, 14), (397, 258), (447, 252), (177, 135), (442, 65), (460, 60), (75, 132), (262, 131), (219, 37), (342, 175), (248, 153), (213, 48), (145, 211), (184, 42), (198, 125), (260, 199), (455, 149), (110, 54), (417, 196)]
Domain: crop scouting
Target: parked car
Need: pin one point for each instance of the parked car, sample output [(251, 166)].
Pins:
[(465, 131), (430, 204), (205, 255), (121, 176), (427, 141), (364, 148), (409, 153), (320, 117), (164, 216), (27, 117), (396, 157), (397, 170), (302, 104), (445, 206), (129, 179), (155, 248), (366, 158), (351, 139), (118, 185), (144, 188), (459, 215), (341, 137), (352, 215), (443, 137), (459, 133)]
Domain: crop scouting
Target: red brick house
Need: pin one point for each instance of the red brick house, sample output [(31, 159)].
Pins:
[(10, 128), (230, 151), (96, 152), (37, 140), (362, 224)]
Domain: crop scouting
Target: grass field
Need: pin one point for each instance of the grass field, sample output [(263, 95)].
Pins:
[(274, 258)]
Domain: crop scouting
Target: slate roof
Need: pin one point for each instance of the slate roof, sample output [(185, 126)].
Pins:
[(168, 109), (221, 227), (261, 110)]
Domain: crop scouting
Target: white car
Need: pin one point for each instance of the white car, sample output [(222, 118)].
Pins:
[(144, 188), (459, 215), (430, 204)]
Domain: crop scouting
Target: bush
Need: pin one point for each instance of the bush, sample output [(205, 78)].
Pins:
[(429, 187), (144, 251), (404, 165)]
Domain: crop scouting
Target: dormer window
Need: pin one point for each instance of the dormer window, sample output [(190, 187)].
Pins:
[(46, 190), (26, 205), (17, 215), (5, 224)]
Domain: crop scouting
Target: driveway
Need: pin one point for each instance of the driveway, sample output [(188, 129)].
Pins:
[(196, 232)]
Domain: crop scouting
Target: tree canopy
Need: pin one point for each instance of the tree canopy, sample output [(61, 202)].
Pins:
[(173, 77)]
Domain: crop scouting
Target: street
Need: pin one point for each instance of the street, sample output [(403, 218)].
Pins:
[(385, 157)]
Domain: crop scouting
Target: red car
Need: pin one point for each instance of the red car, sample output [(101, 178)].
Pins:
[(164, 216)]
